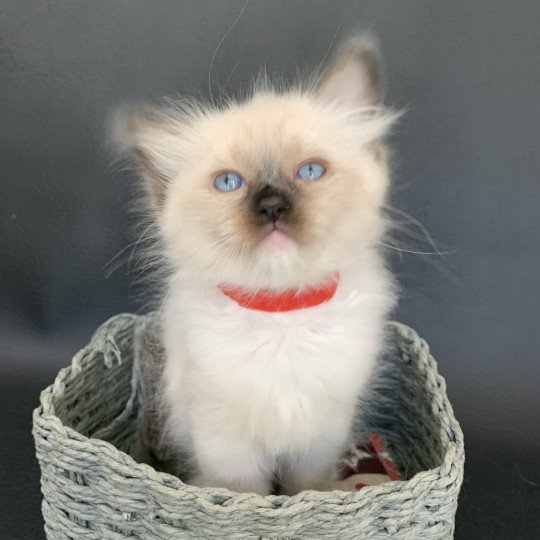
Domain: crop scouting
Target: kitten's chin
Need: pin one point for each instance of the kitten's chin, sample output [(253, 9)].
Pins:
[(276, 241)]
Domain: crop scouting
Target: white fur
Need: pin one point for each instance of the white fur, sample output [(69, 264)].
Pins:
[(250, 391)]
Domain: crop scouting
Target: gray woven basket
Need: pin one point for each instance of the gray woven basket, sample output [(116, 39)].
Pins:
[(85, 429)]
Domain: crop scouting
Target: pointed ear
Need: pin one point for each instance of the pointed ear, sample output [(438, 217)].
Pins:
[(150, 138), (353, 76)]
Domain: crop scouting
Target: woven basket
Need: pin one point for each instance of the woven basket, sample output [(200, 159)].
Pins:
[(85, 429)]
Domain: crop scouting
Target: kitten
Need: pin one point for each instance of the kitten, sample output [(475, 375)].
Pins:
[(269, 212)]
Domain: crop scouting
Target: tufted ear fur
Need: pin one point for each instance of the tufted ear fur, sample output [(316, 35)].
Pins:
[(353, 76), (151, 138)]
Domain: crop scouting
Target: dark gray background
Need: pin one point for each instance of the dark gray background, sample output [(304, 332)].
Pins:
[(466, 166)]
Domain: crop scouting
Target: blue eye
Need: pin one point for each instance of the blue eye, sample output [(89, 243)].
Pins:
[(310, 171), (228, 181)]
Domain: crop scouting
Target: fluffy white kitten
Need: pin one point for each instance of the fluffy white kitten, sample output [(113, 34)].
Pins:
[(280, 191)]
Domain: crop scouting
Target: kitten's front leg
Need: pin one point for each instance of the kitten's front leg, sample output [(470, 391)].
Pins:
[(230, 462)]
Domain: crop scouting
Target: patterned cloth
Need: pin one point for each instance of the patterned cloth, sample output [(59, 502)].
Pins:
[(367, 464)]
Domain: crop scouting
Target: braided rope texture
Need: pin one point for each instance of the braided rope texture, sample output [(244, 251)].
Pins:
[(86, 428)]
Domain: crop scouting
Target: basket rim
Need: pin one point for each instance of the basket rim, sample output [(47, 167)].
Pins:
[(450, 466)]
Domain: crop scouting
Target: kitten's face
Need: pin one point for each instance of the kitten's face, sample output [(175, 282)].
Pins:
[(277, 191)]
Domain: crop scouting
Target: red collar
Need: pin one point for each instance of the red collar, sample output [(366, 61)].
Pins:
[(288, 300)]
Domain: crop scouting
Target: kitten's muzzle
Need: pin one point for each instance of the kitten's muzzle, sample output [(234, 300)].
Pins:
[(271, 205)]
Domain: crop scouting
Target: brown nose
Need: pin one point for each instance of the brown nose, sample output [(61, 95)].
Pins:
[(272, 207)]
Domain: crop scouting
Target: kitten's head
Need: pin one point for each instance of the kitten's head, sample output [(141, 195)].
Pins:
[(278, 190)]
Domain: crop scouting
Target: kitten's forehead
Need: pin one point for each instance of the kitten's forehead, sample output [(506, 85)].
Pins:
[(266, 137)]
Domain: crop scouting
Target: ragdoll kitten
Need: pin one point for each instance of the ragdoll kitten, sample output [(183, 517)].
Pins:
[(269, 211)]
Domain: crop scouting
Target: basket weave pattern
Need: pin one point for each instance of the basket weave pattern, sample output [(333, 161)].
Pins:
[(85, 430)]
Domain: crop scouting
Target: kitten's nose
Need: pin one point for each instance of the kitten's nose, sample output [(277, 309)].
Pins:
[(272, 207)]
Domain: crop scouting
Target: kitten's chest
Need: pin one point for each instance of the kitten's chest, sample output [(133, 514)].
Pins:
[(307, 344), (283, 377)]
